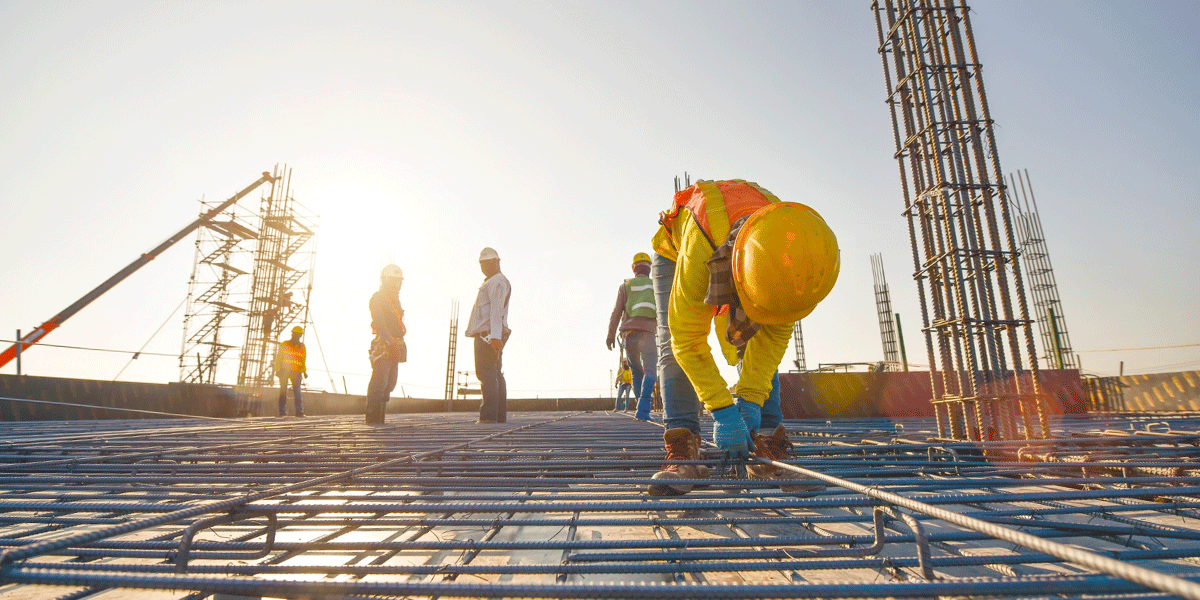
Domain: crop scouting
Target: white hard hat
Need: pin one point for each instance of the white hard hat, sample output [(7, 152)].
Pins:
[(488, 254), (391, 271)]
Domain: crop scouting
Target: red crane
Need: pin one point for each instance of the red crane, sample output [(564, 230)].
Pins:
[(57, 320)]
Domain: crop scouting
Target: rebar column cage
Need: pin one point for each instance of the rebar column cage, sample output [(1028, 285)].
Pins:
[(883, 308), (1052, 324), (983, 362), (798, 342), (282, 263), (451, 354)]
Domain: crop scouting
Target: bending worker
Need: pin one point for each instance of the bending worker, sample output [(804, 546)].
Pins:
[(387, 348), (290, 363), (733, 252), (635, 311)]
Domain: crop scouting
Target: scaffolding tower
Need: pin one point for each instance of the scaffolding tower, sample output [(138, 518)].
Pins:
[(983, 362), (253, 274), (883, 307), (1052, 325), (223, 248), (283, 263)]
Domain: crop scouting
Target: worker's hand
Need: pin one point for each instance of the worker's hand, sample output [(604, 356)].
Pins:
[(751, 414), (611, 341), (730, 433), (306, 374), (497, 345)]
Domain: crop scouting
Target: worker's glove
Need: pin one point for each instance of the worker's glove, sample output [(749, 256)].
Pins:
[(730, 433), (610, 342), (306, 375), (751, 414)]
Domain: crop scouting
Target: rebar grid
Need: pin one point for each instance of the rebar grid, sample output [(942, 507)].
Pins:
[(983, 362), (554, 505)]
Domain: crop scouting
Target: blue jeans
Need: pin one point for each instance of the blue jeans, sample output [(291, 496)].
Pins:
[(296, 378), (622, 395), (489, 369), (681, 406), (643, 364)]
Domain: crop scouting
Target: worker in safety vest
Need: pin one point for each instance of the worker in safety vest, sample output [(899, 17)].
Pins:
[(290, 365), (635, 311), (733, 253), (387, 348), (624, 384)]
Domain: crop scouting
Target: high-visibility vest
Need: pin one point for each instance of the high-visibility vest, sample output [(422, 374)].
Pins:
[(715, 205), (639, 297), (291, 358)]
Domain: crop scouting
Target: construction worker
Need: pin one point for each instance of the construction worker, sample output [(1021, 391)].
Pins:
[(489, 327), (635, 311), (624, 384), (290, 365), (387, 348), (731, 252)]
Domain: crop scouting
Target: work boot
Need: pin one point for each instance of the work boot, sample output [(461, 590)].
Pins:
[(681, 444), (375, 413), (777, 447)]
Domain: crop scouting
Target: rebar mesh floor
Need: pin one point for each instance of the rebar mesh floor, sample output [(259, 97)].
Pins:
[(554, 505)]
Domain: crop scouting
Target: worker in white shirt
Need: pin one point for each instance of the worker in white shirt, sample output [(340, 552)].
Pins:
[(489, 327)]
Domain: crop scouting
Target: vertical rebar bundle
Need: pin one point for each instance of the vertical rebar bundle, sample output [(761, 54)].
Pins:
[(798, 341), (983, 362), (883, 306), (282, 260), (1052, 325), (451, 353)]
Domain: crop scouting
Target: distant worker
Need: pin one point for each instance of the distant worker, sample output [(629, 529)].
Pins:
[(290, 365), (635, 311), (733, 252), (489, 327), (624, 384), (387, 348)]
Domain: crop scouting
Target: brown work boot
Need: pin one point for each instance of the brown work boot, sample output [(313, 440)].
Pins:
[(777, 447), (375, 413), (681, 444)]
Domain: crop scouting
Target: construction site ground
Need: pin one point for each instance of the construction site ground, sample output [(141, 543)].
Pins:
[(554, 505)]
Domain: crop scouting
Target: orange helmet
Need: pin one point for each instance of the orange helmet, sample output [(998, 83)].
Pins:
[(785, 261)]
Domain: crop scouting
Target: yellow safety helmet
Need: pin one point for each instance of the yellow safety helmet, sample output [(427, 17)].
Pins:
[(785, 261), (297, 329), (640, 257)]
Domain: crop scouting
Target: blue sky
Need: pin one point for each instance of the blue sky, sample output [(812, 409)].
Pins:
[(551, 131)]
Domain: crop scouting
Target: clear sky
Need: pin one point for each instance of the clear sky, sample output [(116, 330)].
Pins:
[(551, 131)]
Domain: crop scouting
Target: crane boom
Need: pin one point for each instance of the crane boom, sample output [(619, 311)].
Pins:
[(57, 320)]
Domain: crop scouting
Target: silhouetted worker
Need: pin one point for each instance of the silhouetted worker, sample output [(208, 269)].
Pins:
[(387, 349), (489, 327), (290, 365), (634, 310)]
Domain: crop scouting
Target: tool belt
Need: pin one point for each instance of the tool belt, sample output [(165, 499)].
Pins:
[(394, 350)]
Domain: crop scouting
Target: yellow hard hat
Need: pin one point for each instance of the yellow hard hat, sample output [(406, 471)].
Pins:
[(785, 261), (641, 257), (297, 329)]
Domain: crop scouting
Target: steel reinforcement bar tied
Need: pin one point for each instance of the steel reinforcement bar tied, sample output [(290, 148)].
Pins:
[(11, 555), (1146, 577)]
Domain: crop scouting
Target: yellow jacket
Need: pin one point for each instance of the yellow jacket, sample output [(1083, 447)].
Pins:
[(683, 240), (625, 376)]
